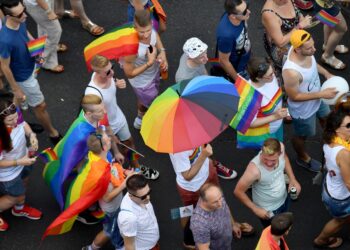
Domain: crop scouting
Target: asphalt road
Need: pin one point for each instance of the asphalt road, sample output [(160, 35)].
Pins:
[(187, 18)]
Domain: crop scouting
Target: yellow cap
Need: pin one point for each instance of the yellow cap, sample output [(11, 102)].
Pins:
[(299, 37)]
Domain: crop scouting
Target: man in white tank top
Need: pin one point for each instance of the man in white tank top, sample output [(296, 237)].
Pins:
[(302, 85), (265, 174)]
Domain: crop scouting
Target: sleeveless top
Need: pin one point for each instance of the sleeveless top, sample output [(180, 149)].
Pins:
[(270, 191), (278, 55), (310, 84), (334, 180)]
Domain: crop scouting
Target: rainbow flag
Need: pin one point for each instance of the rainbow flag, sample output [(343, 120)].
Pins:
[(159, 10), (271, 106), (48, 155), (214, 62), (36, 46), (89, 186), (248, 107), (70, 151), (327, 19), (119, 42), (132, 156)]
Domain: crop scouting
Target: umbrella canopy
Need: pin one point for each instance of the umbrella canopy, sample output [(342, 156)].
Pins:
[(189, 114)]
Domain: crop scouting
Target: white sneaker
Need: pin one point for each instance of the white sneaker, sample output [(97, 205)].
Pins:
[(137, 123)]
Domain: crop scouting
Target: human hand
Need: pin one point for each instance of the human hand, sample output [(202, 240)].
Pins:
[(161, 58), (262, 213), (281, 113), (33, 141), (120, 83), (119, 157), (294, 183), (236, 229), (305, 22), (26, 161), (329, 93), (19, 95), (151, 55), (52, 15), (207, 150)]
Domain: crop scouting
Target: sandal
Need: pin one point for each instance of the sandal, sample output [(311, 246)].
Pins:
[(93, 28), (333, 242), (149, 173), (3, 225), (246, 229), (67, 14), (57, 69), (340, 49), (333, 63), (61, 47)]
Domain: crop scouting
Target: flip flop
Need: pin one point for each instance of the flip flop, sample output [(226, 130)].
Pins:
[(333, 63), (93, 28), (61, 47), (57, 69), (67, 14), (340, 49), (333, 242), (246, 229)]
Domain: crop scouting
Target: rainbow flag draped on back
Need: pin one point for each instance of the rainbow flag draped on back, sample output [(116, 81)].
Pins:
[(119, 42), (266, 242), (70, 151), (327, 19), (88, 187), (255, 137), (249, 104), (36, 46)]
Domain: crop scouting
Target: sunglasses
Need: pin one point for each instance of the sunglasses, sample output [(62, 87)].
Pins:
[(19, 16), (108, 72), (143, 197), (244, 12), (346, 126), (10, 110), (99, 137)]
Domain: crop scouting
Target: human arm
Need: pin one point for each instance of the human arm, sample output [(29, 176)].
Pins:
[(120, 83), (324, 72), (289, 171), (292, 80), (343, 161), (49, 12), (5, 67), (194, 169), (24, 161), (32, 136), (131, 70), (109, 196), (250, 175), (277, 115), (203, 246), (114, 140), (236, 229), (224, 60), (161, 58), (129, 243)]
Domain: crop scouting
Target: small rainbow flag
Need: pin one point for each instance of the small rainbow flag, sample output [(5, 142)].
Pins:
[(159, 10), (327, 19), (119, 42), (132, 156), (248, 107), (214, 62), (48, 155), (36, 46)]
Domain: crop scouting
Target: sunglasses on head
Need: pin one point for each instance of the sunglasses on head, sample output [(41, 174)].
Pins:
[(99, 137), (19, 16), (9, 110), (143, 197)]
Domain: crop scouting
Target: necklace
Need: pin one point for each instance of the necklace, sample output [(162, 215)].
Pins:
[(341, 141)]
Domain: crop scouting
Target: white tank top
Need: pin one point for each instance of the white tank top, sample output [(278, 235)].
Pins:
[(310, 84), (335, 184)]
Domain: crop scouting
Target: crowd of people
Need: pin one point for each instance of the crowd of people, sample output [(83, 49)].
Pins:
[(99, 141)]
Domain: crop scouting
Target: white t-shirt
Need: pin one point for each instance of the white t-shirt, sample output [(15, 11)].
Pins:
[(19, 150), (182, 162), (139, 222), (115, 115)]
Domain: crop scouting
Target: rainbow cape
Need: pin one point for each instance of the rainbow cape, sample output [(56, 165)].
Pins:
[(119, 42), (249, 104), (70, 151), (327, 19), (88, 187), (48, 155), (266, 242), (36, 46)]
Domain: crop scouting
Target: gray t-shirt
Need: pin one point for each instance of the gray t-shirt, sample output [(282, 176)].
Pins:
[(214, 227), (185, 72)]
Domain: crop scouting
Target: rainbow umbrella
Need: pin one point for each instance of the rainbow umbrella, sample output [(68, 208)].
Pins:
[(190, 113)]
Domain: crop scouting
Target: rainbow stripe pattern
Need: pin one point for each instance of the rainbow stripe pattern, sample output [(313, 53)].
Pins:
[(36, 46), (249, 104), (88, 187), (327, 19), (48, 155), (70, 151), (270, 107), (132, 156), (194, 155), (159, 10), (119, 42)]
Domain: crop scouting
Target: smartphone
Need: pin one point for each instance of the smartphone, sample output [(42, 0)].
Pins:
[(150, 48)]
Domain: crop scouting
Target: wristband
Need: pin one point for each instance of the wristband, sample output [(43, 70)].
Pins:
[(162, 49)]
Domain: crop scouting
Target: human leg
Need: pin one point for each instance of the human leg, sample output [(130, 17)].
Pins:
[(43, 117), (331, 228)]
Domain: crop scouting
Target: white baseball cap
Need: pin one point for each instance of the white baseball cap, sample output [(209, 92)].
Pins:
[(193, 47)]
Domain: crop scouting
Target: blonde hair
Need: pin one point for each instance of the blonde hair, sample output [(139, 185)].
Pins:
[(89, 100), (271, 146), (99, 61)]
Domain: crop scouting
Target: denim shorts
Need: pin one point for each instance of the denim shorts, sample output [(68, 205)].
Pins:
[(16, 186), (31, 89), (307, 127), (111, 229), (124, 133), (337, 208)]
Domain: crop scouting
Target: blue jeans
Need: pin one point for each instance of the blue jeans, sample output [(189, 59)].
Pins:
[(283, 208), (111, 229)]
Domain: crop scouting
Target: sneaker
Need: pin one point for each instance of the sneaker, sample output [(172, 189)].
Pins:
[(224, 172), (87, 218), (137, 123), (3, 225), (312, 165), (27, 211), (149, 173), (303, 4)]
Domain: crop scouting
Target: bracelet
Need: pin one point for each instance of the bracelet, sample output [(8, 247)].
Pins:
[(48, 11), (16, 164), (162, 49)]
